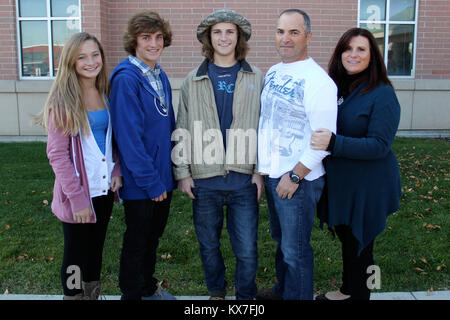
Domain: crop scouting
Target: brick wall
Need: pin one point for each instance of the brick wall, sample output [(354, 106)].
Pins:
[(330, 18), (8, 39), (95, 20), (92, 16), (433, 40), (185, 15)]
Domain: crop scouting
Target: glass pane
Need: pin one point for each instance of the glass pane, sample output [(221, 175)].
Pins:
[(378, 31), (61, 31), (402, 10), (372, 10), (65, 8), (32, 8), (400, 49), (34, 48)]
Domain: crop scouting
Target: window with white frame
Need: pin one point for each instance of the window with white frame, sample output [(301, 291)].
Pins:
[(394, 25), (43, 26)]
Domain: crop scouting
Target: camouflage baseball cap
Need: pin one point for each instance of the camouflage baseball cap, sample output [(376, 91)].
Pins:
[(224, 15)]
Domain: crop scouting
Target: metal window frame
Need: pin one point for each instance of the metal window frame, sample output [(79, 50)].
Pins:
[(387, 22), (49, 19)]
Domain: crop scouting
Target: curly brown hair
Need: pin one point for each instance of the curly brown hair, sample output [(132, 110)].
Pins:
[(145, 21), (240, 51)]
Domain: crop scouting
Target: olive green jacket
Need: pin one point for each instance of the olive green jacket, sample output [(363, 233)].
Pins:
[(198, 152)]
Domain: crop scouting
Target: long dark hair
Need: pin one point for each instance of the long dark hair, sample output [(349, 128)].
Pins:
[(375, 72)]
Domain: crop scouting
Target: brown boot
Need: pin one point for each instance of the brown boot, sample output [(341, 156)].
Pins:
[(91, 289), (79, 296)]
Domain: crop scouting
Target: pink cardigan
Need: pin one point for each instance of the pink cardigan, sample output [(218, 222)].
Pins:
[(71, 191)]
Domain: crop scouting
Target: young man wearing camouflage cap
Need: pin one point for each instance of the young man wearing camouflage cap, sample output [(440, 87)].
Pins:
[(219, 103)]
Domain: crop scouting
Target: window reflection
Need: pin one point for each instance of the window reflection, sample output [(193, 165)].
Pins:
[(378, 31), (43, 34), (402, 10), (32, 8), (393, 24), (400, 49), (373, 10), (34, 38), (65, 8), (61, 30)]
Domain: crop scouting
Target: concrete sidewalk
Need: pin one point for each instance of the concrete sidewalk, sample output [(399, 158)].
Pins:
[(417, 295)]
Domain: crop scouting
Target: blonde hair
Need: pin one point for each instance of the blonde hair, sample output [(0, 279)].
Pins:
[(65, 99)]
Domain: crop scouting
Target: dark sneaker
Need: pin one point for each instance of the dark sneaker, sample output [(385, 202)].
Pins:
[(267, 294)]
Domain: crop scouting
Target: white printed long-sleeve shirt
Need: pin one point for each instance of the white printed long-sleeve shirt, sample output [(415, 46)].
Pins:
[(297, 98)]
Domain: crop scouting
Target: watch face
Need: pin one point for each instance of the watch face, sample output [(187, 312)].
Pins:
[(294, 178)]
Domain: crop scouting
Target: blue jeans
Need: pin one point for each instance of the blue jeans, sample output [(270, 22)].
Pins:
[(242, 226), (291, 222)]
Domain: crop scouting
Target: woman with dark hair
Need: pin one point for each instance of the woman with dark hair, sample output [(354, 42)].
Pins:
[(363, 179)]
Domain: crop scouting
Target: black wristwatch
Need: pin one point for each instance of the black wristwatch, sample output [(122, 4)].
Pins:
[(295, 178)]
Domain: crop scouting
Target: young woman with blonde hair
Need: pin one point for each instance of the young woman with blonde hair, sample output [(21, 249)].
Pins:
[(80, 150)]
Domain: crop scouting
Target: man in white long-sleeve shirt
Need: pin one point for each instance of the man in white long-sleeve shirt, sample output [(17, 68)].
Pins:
[(298, 98)]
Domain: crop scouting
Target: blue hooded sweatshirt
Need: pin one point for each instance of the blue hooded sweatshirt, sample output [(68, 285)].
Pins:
[(142, 130)]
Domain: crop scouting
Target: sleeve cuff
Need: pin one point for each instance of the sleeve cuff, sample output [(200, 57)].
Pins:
[(156, 191), (79, 202), (331, 143)]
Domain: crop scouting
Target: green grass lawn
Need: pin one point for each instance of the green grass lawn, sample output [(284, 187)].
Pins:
[(412, 253)]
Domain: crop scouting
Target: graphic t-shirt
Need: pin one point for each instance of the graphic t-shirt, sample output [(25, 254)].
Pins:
[(223, 80), (297, 98)]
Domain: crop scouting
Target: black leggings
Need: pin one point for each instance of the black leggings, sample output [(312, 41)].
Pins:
[(354, 275), (83, 246)]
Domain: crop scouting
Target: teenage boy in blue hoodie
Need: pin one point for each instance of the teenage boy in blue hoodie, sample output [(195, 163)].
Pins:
[(143, 120)]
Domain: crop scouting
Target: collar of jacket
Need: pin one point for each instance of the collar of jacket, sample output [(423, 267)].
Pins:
[(137, 71), (203, 68), (127, 67)]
